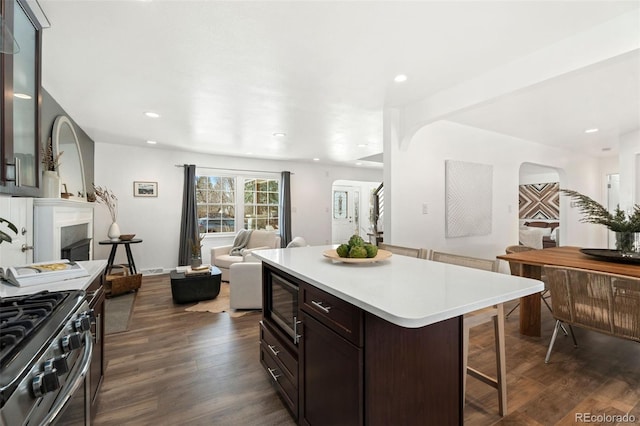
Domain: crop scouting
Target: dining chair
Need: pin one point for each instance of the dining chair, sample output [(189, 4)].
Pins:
[(516, 269), (598, 301), (405, 251), (475, 318)]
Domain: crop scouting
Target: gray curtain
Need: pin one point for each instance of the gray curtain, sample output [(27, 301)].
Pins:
[(189, 225), (285, 208)]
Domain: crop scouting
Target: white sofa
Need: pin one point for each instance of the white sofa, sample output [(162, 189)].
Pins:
[(260, 239)]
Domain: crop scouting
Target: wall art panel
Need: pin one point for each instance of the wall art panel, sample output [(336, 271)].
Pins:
[(539, 201), (469, 196)]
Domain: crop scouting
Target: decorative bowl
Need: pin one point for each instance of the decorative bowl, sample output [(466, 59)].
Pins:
[(127, 237)]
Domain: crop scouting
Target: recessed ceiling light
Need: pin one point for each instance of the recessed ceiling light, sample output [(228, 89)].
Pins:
[(591, 130), (249, 153), (152, 114), (362, 145), (358, 164), (400, 78), (152, 142), (279, 135), (22, 96), (316, 159)]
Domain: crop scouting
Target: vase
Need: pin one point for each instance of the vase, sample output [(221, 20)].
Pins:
[(50, 184), (628, 242), (114, 232), (196, 261)]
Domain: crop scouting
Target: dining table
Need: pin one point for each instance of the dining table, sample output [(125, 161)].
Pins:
[(530, 266)]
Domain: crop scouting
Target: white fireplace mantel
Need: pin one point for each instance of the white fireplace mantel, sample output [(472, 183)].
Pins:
[(50, 215)]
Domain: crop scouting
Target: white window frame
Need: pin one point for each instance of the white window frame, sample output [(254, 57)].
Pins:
[(239, 181)]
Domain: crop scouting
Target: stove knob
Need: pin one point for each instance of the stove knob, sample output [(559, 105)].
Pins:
[(59, 365), (45, 382), (71, 342), (82, 323)]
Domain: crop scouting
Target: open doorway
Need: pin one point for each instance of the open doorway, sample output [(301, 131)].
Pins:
[(613, 202), (539, 206), (352, 209)]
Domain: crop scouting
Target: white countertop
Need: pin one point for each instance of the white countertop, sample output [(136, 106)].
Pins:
[(405, 291), (93, 267)]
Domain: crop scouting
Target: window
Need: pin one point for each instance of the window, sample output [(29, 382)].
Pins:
[(261, 204), (222, 208), (216, 200)]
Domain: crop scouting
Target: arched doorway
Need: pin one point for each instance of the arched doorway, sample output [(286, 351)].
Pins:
[(539, 206)]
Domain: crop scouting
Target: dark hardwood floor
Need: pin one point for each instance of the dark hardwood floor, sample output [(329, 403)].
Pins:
[(198, 368)]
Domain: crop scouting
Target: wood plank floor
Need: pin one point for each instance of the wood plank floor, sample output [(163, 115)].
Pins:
[(197, 368)]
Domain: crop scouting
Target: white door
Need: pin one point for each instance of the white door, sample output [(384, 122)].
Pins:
[(345, 213), (18, 211)]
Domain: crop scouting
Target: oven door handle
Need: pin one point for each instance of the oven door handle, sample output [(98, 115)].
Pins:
[(75, 382)]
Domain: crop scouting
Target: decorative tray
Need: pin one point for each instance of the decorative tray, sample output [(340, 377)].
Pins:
[(382, 255), (612, 255)]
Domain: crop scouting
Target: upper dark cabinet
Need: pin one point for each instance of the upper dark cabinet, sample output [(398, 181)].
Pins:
[(20, 115)]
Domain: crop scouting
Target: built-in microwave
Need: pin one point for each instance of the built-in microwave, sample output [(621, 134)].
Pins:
[(281, 297)]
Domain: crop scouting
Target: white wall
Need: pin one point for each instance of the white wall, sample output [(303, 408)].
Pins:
[(418, 177), (629, 171), (157, 220)]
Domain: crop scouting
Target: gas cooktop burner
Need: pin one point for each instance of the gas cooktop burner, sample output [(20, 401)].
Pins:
[(21, 316)]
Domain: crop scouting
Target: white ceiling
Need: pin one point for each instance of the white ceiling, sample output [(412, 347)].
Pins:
[(226, 76)]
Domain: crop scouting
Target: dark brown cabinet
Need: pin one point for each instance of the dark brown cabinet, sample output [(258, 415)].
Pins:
[(96, 297), (330, 376)]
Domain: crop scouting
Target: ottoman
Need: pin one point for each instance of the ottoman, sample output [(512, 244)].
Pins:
[(194, 288)]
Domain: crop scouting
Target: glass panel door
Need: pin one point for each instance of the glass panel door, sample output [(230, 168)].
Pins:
[(25, 95)]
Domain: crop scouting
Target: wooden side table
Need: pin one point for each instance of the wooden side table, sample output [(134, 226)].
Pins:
[(112, 254)]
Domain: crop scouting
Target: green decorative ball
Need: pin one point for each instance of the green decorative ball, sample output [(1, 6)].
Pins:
[(372, 250), (356, 241), (358, 252), (343, 250)]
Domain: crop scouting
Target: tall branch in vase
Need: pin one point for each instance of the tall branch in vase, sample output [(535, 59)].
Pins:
[(109, 199)]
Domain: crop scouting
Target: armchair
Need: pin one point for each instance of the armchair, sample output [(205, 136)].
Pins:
[(260, 239)]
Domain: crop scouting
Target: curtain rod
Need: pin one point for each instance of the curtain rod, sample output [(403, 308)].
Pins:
[(231, 170)]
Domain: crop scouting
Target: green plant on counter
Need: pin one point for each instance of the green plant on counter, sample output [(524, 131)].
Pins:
[(595, 212), (3, 235)]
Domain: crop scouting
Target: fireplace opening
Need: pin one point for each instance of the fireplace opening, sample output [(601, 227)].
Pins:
[(77, 251)]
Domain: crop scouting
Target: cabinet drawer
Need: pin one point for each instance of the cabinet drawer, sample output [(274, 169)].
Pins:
[(287, 361), (287, 389), (342, 317)]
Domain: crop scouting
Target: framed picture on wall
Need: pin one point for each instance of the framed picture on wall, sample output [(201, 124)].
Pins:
[(145, 189)]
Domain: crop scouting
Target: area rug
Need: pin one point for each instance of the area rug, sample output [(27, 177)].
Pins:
[(117, 313), (219, 304)]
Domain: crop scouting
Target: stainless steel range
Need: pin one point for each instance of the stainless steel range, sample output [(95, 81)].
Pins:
[(45, 353)]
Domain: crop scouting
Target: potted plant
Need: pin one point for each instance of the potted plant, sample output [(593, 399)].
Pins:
[(3, 235), (625, 225), (109, 199), (50, 177)]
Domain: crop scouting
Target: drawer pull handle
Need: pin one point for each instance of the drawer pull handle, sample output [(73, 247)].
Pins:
[(275, 376), (273, 349), (325, 309)]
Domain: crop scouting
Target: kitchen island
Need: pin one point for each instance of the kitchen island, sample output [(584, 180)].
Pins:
[(375, 343)]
